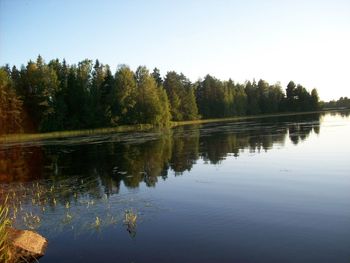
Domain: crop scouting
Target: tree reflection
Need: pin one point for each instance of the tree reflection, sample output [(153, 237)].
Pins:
[(300, 130), (83, 175), (185, 149), (134, 162), (19, 165)]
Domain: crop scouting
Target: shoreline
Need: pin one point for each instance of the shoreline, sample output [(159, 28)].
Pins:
[(24, 137)]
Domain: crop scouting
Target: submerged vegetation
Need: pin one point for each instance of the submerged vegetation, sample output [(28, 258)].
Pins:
[(130, 218), (78, 208), (55, 96)]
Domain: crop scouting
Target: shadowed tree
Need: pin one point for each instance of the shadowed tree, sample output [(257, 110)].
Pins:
[(39, 86), (157, 77), (210, 97), (314, 99), (290, 93), (252, 98), (10, 105)]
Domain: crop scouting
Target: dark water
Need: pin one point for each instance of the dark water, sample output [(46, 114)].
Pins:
[(268, 190)]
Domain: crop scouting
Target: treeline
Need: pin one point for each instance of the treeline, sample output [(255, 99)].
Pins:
[(342, 102), (56, 96)]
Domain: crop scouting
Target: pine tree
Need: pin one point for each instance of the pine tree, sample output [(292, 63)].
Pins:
[(10, 105)]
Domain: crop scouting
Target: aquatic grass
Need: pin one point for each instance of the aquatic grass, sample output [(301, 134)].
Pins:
[(33, 205), (24, 137), (130, 218), (32, 221), (4, 224), (97, 222)]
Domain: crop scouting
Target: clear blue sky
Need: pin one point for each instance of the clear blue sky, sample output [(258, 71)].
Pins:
[(304, 41)]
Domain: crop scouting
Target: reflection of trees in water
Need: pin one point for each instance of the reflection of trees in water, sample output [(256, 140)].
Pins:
[(343, 114), (76, 178), (300, 129), (142, 163), (133, 163), (17, 165), (185, 146), (215, 148), (257, 136)]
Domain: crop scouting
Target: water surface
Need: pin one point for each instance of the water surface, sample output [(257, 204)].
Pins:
[(264, 190)]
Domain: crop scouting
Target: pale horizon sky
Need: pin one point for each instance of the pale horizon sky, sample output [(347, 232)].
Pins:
[(304, 41)]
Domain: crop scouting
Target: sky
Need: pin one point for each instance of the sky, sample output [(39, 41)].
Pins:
[(304, 41)]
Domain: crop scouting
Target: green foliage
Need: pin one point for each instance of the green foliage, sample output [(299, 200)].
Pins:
[(342, 102), (39, 88), (157, 77), (4, 224), (181, 96), (210, 95), (10, 105), (314, 99), (57, 96), (151, 104), (252, 92), (126, 96), (299, 99)]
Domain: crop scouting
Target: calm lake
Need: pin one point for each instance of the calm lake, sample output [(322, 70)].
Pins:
[(256, 191)]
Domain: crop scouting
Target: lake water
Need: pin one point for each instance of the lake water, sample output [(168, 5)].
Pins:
[(255, 191)]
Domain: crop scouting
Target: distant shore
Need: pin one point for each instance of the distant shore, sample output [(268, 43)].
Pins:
[(24, 137)]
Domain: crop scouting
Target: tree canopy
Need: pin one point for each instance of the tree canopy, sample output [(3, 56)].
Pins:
[(56, 96)]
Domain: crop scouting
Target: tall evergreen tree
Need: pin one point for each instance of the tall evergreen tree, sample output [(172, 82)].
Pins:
[(157, 77), (10, 105), (39, 85), (314, 100), (240, 100), (108, 97), (290, 96), (210, 96), (96, 102), (253, 106)]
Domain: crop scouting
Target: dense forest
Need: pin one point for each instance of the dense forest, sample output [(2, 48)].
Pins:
[(56, 96)]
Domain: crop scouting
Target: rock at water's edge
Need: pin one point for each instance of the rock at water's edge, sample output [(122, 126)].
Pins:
[(25, 245)]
